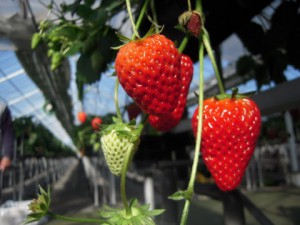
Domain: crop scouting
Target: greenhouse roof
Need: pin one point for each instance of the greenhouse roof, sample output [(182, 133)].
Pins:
[(28, 95)]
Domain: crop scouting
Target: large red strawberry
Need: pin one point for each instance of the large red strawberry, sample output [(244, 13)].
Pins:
[(149, 71), (170, 120), (230, 129)]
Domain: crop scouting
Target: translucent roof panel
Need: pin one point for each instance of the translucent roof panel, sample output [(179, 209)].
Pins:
[(24, 98)]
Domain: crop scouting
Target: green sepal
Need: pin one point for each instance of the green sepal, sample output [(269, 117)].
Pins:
[(125, 40), (234, 95), (39, 207), (180, 195), (153, 31), (141, 214), (128, 130)]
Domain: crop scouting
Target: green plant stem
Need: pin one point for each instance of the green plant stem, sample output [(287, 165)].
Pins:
[(190, 189), (183, 44), (189, 5), (141, 16), (154, 15), (119, 115), (128, 5), (75, 219), (127, 160), (210, 53), (144, 119), (199, 6)]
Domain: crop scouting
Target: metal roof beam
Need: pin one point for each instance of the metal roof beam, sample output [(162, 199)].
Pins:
[(12, 75)]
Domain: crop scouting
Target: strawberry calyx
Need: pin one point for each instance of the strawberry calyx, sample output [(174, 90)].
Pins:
[(125, 40), (234, 95), (128, 130), (141, 214)]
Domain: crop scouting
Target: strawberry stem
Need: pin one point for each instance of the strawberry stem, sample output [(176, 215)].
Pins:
[(144, 119), (189, 5), (123, 181), (141, 16), (199, 6), (128, 5), (190, 189), (183, 44), (154, 16), (75, 219), (117, 100), (208, 48)]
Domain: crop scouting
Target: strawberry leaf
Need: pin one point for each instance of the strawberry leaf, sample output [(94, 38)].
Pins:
[(179, 195), (36, 39)]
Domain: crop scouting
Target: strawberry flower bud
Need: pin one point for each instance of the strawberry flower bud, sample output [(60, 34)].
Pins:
[(192, 22)]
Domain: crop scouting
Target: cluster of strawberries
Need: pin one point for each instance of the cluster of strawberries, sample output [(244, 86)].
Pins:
[(157, 77), (96, 121)]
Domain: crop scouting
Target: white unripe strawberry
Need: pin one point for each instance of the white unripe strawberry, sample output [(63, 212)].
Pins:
[(116, 141)]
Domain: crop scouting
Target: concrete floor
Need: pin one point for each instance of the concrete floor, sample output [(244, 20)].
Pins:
[(280, 205)]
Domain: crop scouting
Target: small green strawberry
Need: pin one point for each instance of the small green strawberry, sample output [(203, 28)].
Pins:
[(117, 140)]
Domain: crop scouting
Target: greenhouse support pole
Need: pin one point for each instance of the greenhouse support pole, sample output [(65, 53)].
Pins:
[(149, 192), (1, 186), (292, 149)]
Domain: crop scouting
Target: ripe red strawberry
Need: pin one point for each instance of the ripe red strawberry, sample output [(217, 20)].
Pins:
[(96, 122), (168, 121), (149, 71), (230, 129), (81, 116)]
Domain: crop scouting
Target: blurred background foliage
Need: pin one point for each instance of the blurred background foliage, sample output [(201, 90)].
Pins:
[(35, 140)]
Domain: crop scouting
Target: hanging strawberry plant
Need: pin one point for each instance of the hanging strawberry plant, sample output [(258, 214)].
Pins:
[(157, 75)]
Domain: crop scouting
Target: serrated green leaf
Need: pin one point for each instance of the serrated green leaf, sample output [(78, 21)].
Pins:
[(98, 17), (89, 44), (73, 49), (85, 69), (35, 40), (84, 11), (109, 5), (98, 61), (65, 32)]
